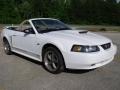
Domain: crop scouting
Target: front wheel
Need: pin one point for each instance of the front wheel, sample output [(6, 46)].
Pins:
[(53, 60), (7, 47)]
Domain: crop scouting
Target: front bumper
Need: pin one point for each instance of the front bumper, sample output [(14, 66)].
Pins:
[(77, 60)]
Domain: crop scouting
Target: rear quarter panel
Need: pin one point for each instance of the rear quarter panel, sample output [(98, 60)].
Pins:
[(7, 34)]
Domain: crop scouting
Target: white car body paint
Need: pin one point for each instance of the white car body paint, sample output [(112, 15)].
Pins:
[(31, 46)]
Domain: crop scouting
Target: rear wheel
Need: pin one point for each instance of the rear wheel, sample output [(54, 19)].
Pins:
[(7, 47), (53, 60)]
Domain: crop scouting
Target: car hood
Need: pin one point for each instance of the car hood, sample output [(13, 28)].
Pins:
[(81, 37)]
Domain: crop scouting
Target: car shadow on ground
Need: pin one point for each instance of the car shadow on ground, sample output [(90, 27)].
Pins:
[(73, 71), (28, 59)]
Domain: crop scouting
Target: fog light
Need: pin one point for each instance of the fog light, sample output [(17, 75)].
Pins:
[(92, 64)]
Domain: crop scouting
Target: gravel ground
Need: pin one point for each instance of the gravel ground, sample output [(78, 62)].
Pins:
[(20, 73)]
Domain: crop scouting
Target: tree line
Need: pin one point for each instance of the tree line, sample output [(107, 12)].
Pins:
[(105, 12)]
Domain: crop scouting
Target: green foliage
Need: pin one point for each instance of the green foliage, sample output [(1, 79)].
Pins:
[(70, 11)]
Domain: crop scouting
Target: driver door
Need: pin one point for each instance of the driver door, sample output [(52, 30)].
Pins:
[(26, 42)]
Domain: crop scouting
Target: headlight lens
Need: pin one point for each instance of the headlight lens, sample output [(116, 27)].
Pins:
[(81, 48)]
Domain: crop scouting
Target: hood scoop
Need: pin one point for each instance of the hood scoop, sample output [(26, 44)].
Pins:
[(83, 32)]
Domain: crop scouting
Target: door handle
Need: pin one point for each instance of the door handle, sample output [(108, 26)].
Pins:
[(38, 43), (14, 35)]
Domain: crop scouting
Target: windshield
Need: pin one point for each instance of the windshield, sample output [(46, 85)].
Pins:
[(47, 25)]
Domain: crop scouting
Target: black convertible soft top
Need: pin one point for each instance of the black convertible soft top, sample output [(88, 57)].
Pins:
[(12, 27)]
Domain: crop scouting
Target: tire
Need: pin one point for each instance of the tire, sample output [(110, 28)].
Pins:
[(7, 48), (53, 60)]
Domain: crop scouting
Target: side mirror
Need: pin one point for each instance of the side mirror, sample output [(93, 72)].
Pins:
[(27, 31)]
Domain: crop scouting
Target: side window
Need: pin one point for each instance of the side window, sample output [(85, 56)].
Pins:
[(27, 26), (39, 25)]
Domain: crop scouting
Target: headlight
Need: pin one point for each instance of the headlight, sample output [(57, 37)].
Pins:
[(81, 48)]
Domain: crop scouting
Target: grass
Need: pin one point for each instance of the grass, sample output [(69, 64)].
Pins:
[(98, 28), (117, 59)]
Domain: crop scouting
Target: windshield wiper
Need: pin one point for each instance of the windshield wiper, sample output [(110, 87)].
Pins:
[(47, 30), (65, 28), (53, 29)]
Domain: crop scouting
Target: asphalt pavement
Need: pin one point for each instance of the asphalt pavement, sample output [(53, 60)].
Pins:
[(20, 73)]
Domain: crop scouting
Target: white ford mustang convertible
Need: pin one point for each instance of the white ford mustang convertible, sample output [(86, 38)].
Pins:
[(57, 46)]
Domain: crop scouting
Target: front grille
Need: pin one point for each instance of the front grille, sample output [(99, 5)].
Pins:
[(106, 46)]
